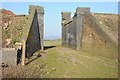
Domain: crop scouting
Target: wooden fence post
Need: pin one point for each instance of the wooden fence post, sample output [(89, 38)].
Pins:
[(23, 52)]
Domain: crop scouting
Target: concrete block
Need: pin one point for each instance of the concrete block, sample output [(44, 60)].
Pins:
[(9, 57)]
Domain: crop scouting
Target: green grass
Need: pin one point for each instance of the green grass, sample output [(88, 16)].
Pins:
[(52, 43), (63, 62), (71, 63)]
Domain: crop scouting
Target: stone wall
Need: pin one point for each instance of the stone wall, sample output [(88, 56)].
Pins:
[(84, 32), (33, 32), (72, 28)]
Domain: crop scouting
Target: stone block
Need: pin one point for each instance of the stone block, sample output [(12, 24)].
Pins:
[(66, 15), (38, 9), (9, 57), (81, 10)]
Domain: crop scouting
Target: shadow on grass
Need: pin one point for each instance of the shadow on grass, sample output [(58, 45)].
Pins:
[(39, 55), (48, 47)]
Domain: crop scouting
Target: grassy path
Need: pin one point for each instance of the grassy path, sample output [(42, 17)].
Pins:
[(63, 62)]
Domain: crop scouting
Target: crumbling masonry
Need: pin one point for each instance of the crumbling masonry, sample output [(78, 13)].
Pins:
[(84, 32)]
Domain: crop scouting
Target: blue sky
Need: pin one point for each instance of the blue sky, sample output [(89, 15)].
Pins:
[(52, 17)]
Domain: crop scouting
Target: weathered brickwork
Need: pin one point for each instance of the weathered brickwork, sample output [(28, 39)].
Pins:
[(84, 32)]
